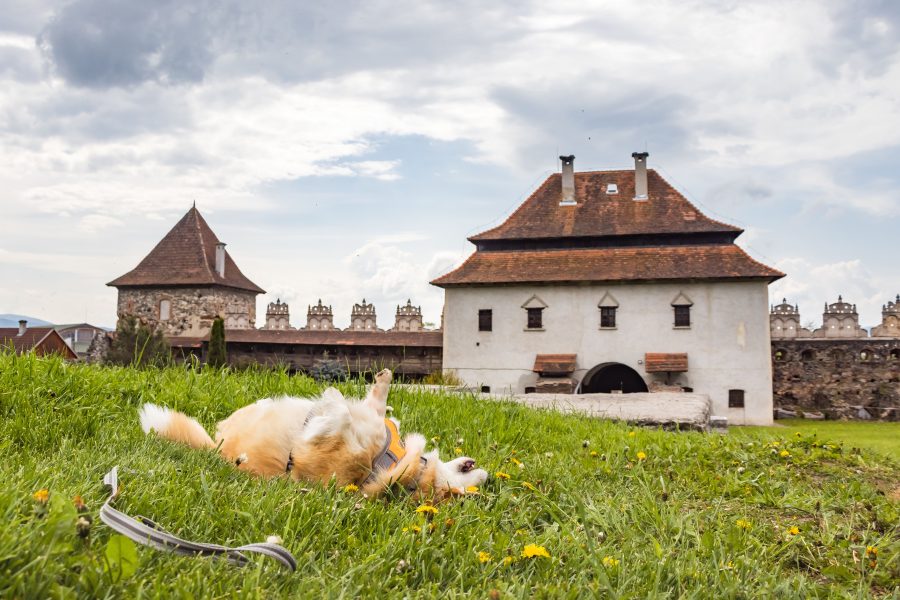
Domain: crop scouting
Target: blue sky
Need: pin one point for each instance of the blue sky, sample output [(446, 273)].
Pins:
[(345, 152)]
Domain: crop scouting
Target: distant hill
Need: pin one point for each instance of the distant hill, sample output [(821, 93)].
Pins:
[(13, 321)]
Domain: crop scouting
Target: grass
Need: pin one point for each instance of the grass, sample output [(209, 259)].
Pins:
[(878, 436), (701, 515)]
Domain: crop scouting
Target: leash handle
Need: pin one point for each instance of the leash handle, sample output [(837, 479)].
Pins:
[(150, 534)]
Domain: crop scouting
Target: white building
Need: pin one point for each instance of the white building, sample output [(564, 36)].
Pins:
[(612, 281)]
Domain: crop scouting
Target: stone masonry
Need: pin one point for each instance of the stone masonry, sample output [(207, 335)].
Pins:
[(191, 309)]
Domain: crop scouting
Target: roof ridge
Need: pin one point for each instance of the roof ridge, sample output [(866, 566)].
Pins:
[(692, 205), (197, 217)]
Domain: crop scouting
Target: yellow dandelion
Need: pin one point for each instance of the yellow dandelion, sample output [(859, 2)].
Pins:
[(427, 508), (776, 443), (784, 454), (41, 496), (529, 486), (414, 529), (631, 434), (742, 524), (458, 450), (472, 489), (533, 551), (501, 475), (609, 561), (350, 488), (798, 434), (594, 454), (794, 530), (515, 461), (872, 551), (507, 560), (641, 456), (484, 557), (449, 523)]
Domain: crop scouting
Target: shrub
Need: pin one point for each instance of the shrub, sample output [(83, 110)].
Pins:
[(217, 355), (138, 345), (329, 370)]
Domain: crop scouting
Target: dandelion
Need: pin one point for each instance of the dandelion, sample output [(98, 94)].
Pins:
[(274, 539), (533, 551), (641, 456), (501, 475), (528, 486), (609, 561), (458, 450), (507, 560), (784, 454), (484, 557), (631, 434), (350, 488), (798, 434), (449, 523), (872, 552), (413, 528), (79, 504), (41, 496), (794, 530), (742, 524), (776, 443), (594, 454), (472, 489), (427, 508)]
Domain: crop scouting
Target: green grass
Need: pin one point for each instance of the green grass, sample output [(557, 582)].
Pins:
[(877, 436), (671, 521)]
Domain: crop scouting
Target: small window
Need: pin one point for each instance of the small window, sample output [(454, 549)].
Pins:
[(612, 188), (894, 355), (486, 319), (682, 316), (164, 310), (735, 398), (808, 355), (608, 317), (535, 318), (485, 389), (530, 390)]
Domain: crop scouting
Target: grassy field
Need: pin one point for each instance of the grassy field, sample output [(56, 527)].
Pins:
[(621, 512), (877, 436)]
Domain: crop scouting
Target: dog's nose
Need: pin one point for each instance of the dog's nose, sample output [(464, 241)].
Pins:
[(467, 466)]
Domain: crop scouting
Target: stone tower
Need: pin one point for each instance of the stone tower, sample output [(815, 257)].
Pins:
[(408, 318), (319, 317), (890, 320), (840, 320), (187, 281), (362, 318), (278, 316), (784, 322)]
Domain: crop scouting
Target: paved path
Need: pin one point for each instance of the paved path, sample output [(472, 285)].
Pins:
[(668, 409)]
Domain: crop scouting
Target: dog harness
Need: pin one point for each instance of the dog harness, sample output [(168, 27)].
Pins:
[(391, 453)]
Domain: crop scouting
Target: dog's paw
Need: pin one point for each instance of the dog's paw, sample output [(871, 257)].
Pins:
[(384, 376), (463, 473)]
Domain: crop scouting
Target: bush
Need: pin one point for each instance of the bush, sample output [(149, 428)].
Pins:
[(137, 345), (217, 355), (329, 370)]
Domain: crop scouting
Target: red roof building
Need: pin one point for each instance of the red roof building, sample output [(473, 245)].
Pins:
[(41, 340), (611, 267)]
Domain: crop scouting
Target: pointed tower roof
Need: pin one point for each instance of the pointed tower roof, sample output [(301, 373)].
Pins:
[(186, 256)]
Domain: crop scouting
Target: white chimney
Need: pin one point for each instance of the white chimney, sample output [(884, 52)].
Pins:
[(568, 180), (220, 259), (23, 325), (640, 175)]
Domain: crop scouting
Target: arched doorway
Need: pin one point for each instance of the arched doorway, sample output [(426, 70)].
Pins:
[(607, 377)]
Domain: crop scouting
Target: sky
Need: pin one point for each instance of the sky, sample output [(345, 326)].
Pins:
[(345, 150)]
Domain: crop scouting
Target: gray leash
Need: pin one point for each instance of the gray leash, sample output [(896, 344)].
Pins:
[(145, 531)]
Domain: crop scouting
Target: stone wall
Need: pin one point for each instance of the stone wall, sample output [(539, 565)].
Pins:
[(837, 379), (191, 309)]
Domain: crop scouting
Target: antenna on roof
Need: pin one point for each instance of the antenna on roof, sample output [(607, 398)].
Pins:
[(195, 204)]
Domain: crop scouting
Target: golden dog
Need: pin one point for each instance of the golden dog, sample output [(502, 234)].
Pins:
[(332, 437)]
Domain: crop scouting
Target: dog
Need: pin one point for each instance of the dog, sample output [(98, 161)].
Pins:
[(331, 438)]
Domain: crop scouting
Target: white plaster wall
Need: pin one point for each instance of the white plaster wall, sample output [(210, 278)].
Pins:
[(728, 343)]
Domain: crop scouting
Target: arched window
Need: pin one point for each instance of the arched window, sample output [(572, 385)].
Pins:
[(165, 308), (808, 355), (865, 355), (895, 354)]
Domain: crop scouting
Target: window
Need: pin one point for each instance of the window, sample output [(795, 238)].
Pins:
[(780, 355), (608, 316), (535, 318), (486, 319), (682, 316), (485, 389), (530, 389), (808, 355), (735, 398), (164, 310)]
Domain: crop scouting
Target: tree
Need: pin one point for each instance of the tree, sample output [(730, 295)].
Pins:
[(138, 345), (217, 355)]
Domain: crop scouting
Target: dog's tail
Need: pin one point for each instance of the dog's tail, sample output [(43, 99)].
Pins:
[(175, 426)]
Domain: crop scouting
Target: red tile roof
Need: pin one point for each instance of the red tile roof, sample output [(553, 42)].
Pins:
[(44, 340), (186, 256), (714, 261), (662, 362), (600, 214), (432, 339), (554, 364)]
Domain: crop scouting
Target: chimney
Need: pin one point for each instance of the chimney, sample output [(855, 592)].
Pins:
[(568, 180), (23, 325), (640, 175), (220, 259)]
